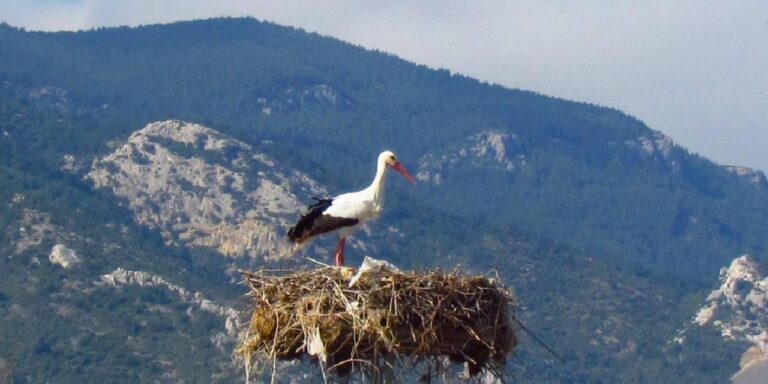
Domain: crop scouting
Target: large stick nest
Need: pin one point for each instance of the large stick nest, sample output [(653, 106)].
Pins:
[(419, 318)]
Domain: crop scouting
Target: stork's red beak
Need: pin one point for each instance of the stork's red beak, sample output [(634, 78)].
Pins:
[(399, 167)]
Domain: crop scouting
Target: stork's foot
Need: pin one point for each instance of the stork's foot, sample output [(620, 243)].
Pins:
[(347, 272)]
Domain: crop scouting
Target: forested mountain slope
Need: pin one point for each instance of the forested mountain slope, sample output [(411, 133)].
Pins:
[(592, 176), (610, 232)]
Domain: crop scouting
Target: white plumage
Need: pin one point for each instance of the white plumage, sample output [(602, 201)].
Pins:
[(349, 211)]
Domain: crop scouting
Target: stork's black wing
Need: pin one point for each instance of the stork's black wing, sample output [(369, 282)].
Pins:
[(314, 222)]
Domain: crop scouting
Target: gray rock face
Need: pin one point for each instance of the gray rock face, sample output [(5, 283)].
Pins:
[(754, 368), (63, 256), (739, 307), (199, 187), (658, 147), (490, 149), (121, 276), (35, 229)]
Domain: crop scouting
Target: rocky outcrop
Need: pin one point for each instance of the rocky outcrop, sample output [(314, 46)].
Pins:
[(71, 164), (739, 306), (755, 177), (63, 256), (754, 368), (320, 93), (738, 309), (35, 229), (121, 276), (489, 149), (657, 145), (314, 96), (199, 187), (232, 322)]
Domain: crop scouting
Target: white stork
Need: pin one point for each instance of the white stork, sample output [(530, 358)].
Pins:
[(347, 212)]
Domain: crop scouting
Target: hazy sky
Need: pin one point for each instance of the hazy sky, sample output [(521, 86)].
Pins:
[(695, 70)]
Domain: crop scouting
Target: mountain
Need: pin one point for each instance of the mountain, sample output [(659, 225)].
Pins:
[(661, 209), (141, 167)]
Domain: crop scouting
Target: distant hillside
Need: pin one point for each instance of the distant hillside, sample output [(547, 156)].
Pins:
[(163, 157), (589, 176)]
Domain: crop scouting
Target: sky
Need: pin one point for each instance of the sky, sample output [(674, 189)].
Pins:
[(694, 70)]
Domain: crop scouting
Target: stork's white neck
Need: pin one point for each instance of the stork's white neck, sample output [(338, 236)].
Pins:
[(377, 187)]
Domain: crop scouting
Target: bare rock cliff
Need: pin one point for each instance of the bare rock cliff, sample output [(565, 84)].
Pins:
[(199, 187), (738, 308)]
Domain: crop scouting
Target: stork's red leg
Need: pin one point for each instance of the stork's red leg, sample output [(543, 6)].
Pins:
[(339, 256)]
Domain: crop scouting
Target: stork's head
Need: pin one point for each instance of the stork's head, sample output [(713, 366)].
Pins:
[(389, 159)]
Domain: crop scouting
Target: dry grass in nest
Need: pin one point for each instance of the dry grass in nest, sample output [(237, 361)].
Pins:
[(386, 320)]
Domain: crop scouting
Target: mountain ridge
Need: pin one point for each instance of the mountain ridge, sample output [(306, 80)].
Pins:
[(584, 209)]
